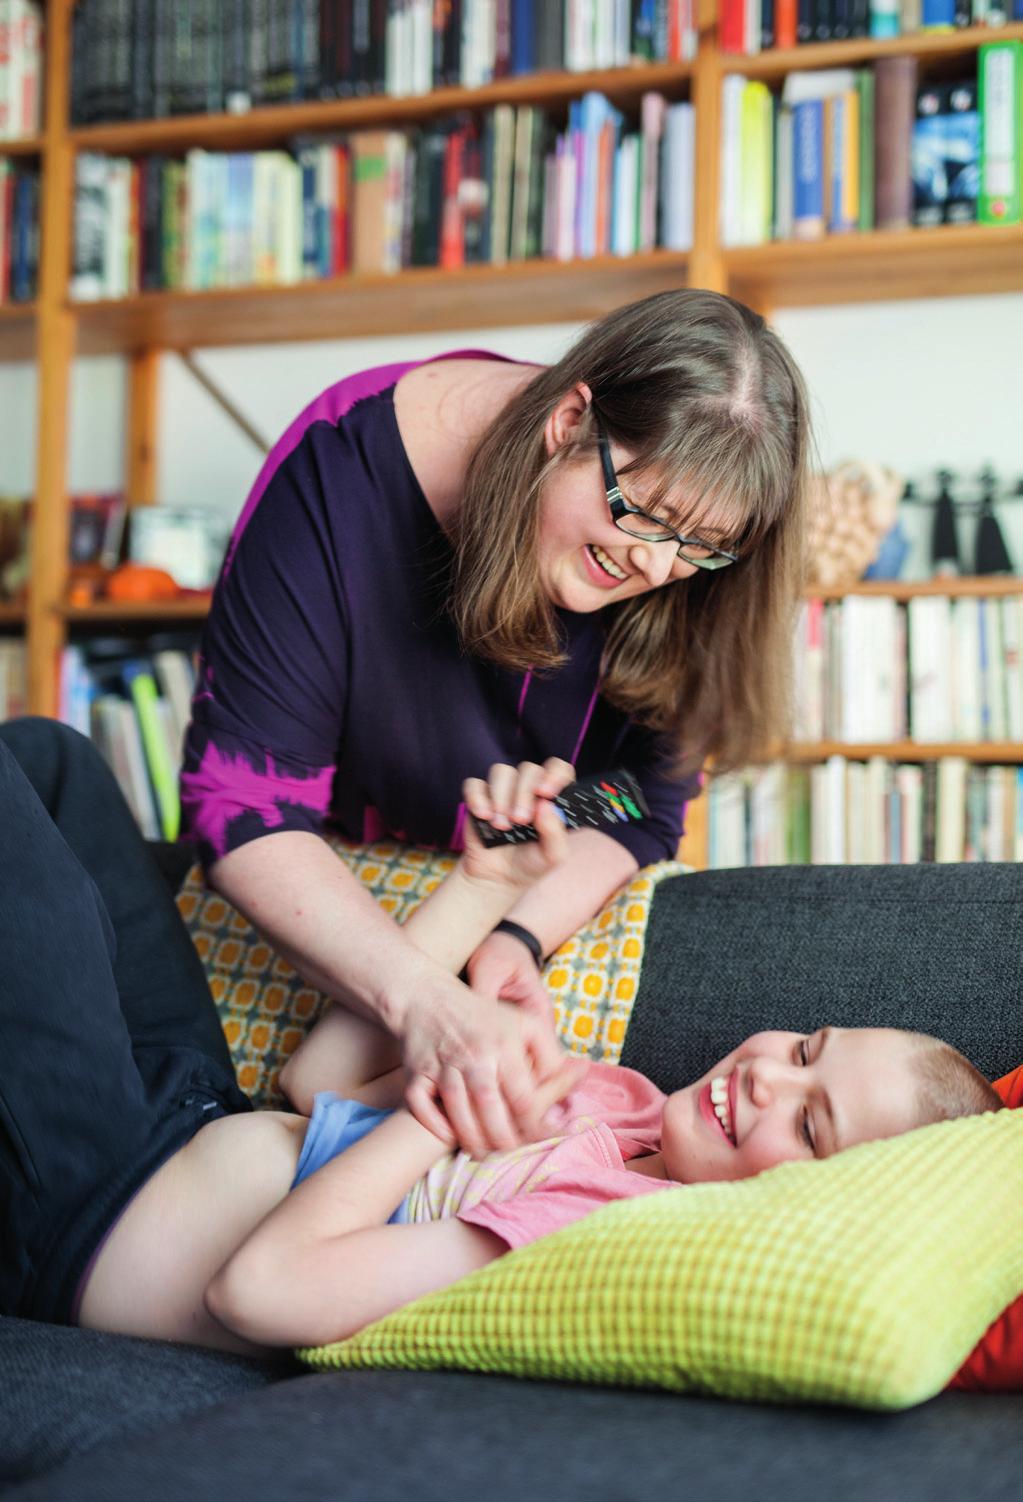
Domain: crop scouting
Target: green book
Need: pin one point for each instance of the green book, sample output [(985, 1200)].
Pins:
[(865, 89), (162, 770), (1000, 102)]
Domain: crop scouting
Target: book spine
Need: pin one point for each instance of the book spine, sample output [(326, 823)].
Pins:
[(808, 169), (885, 19), (929, 153), (144, 696), (785, 23), (937, 15), (1000, 78), (895, 82)]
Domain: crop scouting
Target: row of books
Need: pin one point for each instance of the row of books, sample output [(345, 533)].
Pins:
[(140, 59), (13, 679), (136, 707), (462, 191), (752, 26), (842, 150), (19, 230), (21, 69), (866, 813), (936, 670)]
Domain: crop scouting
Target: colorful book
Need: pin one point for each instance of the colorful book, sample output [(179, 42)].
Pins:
[(1000, 84)]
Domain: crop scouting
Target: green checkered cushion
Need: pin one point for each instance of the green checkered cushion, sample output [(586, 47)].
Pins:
[(864, 1279)]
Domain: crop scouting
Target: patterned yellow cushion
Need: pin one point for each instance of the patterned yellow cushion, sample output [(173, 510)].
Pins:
[(266, 1008), (866, 1279)]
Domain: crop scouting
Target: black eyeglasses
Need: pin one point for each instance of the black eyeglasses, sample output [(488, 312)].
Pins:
[(629, 518)]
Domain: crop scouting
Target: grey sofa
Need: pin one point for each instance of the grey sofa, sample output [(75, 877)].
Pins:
[(96, 1418)]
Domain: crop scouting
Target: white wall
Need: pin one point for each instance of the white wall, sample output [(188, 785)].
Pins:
[(915, 385)]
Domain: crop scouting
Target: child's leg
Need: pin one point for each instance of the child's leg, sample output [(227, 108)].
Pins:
[(86, 1112)]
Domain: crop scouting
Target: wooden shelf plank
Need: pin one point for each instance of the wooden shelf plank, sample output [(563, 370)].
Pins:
[(949, 261), (11, 616), (268, 124), (192, 608), (990, 585), (773, 64), (17, 331), (986, 751), (419, 300), (23, 146)]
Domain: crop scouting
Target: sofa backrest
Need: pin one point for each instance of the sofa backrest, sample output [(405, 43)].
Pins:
[(728, 953)]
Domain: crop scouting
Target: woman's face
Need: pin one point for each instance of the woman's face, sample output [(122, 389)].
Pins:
[(784, 1096), (585, 561)]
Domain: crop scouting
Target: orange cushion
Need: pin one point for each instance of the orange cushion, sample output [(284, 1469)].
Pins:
[(996, 1363)]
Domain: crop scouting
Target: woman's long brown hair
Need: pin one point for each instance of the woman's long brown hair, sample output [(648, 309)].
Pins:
[(709, 401)]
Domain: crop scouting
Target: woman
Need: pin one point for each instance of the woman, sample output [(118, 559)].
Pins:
[(467, 561)]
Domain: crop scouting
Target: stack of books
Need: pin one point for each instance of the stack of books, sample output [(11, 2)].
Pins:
[(458, 192), (141, 59), (751, 26), (937, 671), (21, 69), (866, 813), (844, 150), (19, 230), (134, 702)]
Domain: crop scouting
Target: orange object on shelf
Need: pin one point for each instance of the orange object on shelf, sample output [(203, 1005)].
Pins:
[(136, 581)]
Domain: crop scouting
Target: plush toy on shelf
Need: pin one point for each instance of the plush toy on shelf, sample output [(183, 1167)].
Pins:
[(853, 509)]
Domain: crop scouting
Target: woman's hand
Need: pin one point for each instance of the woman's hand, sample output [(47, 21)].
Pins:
[(509, 796), (483, 1070)]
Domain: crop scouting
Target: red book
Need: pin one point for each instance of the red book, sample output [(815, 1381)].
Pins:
[(785, 23), (452, 235), (341, 214), (732, 26)]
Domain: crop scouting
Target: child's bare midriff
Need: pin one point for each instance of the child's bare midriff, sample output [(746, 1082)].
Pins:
[(151, 1274)]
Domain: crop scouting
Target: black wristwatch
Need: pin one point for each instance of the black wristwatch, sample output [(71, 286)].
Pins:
[(532, 943)]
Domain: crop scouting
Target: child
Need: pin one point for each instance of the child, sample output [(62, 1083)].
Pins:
[(114, 1221)]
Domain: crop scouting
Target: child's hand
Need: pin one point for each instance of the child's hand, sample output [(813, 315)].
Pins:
[(516, 795)]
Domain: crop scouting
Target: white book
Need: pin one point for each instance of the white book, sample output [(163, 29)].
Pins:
[(1012, 664), (858, 715), (176, 681), (6, 120), (752, 26), (878, 779), (679, 176), (909, 782), (929, 632), (950, 835), (727, 822), (817, 83), (730, 200), (966, 723), (994, 670), (623, 230), (90, 218), (289, 220), (767, 815), (855, 813), (1018, 850), (995, 845)]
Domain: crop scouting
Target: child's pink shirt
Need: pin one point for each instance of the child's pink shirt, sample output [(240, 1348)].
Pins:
[(526, 1193)]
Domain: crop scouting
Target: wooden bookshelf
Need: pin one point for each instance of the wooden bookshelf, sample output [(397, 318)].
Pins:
[(948, 261), (986, 751), (123, 612), (420, 300), (17, 331), (908, 589)]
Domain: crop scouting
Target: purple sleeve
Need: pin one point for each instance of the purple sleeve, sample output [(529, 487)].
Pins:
[(646, 756), (261, 751)]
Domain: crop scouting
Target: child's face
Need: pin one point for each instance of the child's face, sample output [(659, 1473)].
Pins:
[(786, 1096)]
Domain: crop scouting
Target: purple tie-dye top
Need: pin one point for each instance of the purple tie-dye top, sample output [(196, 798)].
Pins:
[(332, 688)]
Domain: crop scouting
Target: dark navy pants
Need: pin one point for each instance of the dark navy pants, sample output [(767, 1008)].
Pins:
[(111, 1052)]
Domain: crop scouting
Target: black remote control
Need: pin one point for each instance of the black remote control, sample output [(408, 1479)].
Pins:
[(597, 803)]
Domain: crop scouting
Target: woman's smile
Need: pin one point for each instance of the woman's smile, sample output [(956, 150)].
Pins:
[(602, 568)]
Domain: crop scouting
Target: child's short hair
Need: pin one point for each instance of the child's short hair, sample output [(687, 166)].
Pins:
[(949, 1085)]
